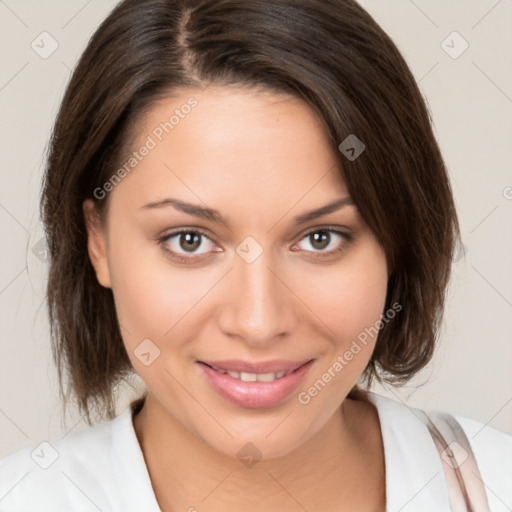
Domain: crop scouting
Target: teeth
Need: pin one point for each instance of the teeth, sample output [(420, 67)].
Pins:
[(267, 377), (255, 377)]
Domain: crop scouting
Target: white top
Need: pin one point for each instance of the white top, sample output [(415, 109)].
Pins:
[(102, 468)]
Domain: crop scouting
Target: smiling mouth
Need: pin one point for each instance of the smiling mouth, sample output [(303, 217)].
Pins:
[(255, 385), (253, 377)]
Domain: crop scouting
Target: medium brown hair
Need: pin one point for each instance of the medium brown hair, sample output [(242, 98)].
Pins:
[(329, 53)]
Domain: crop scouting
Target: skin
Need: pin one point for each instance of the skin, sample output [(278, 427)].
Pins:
[(261, 159)]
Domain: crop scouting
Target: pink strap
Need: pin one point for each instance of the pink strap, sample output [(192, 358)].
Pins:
[(466, 488)]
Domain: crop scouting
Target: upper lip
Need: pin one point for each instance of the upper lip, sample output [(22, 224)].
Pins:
[(238, 365)]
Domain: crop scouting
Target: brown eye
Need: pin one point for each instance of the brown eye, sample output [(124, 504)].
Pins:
[(189, 240), (183, 245), (324, 242), (320, 239)]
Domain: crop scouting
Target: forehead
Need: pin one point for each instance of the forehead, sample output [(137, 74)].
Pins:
[(230, 145)]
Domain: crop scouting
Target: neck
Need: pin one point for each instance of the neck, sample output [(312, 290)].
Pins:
[(327, 470)]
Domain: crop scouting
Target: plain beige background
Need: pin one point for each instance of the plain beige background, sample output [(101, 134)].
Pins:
[(470, 97)]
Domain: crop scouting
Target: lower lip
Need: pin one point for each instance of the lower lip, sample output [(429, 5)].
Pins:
[(255, 395)]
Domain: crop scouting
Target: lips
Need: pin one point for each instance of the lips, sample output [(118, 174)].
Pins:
[(255, 384)]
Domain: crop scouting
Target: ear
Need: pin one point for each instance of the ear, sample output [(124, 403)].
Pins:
[(96, 243)]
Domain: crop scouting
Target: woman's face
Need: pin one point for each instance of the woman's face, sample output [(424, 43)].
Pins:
[(268, 289)]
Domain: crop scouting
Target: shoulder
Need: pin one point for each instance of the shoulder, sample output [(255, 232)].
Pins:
[(60, 472), (407, 439), (98, 468), (493, 453)]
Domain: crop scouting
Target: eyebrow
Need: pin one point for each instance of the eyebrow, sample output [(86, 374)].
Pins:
[(214, 215)]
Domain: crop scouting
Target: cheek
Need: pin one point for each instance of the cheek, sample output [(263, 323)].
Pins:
[(154, 298), (351, 309), (350, 298), (143, 302)]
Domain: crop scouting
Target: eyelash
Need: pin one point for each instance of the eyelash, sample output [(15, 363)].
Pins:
[(320, 254)]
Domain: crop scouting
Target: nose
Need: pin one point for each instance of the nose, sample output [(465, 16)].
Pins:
[(259, 307)]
